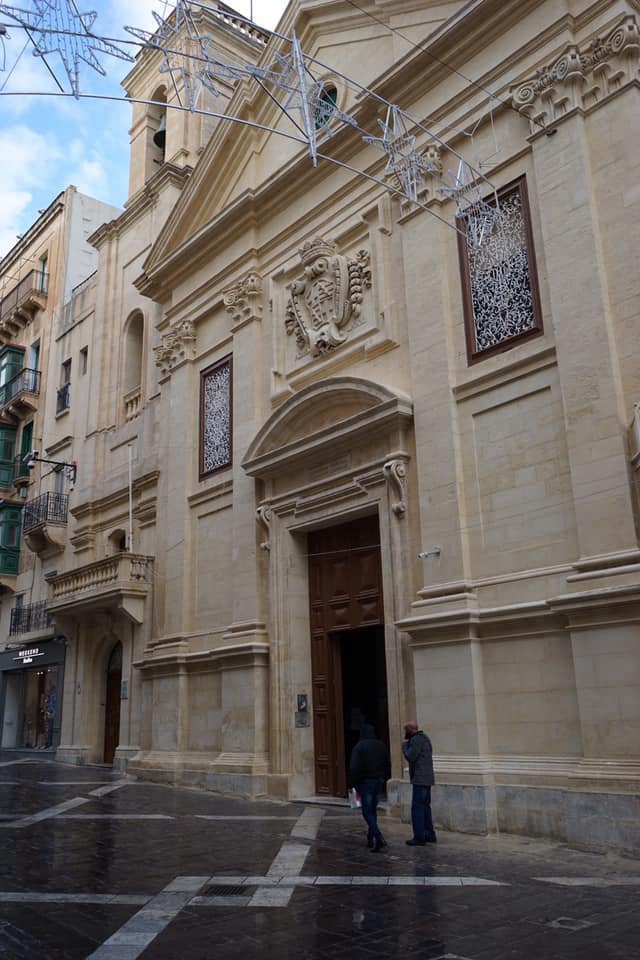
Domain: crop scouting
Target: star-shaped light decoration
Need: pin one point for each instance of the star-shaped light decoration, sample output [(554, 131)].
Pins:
[(188, 55), (3, 57), (304, 94), (481, 218), (403, 159), (56, 26)]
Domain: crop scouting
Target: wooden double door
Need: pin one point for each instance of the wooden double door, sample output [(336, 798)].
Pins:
[(349, 684)]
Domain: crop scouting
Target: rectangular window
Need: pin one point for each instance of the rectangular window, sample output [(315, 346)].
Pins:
[(84, 360), (499, 280), (65, 376), (215, 417)]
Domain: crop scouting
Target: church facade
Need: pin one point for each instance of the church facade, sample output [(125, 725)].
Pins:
[(335, 465)]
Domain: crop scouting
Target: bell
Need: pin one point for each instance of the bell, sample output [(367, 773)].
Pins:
[(160, 136)]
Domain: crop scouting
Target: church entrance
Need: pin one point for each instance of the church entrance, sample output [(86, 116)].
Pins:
[(349, 680)]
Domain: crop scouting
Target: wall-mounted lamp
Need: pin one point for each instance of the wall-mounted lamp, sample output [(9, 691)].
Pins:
[(425, 554), (70, 469)]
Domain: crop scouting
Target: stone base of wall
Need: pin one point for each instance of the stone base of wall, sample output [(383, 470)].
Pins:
[(594, 821)]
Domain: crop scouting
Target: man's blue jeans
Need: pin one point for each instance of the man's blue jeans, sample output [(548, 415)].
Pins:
[(421, 814), (370, 791)]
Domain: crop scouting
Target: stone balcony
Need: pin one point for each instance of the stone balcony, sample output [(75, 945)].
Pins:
[(19, 305), (121, 583)]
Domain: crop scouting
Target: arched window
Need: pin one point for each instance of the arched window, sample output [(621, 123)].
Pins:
[(326, 105), (132, 364), (158, 124)]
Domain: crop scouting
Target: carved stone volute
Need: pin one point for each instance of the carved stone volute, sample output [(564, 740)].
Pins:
[(395, 473), (176, 345), (581, 77), (244, 299)]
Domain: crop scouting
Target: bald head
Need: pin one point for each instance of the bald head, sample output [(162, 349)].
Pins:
[(410, 728)]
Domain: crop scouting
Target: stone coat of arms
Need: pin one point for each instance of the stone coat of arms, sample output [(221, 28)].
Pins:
[(327, 299)]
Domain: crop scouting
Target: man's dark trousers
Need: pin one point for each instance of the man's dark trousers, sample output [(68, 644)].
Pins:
[(421, 814), (370, 791)]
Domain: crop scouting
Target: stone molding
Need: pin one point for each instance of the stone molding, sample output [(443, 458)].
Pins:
[(576, 773), (327, 299), (580, 78), (176, 346), (243, 301), (227, 657)]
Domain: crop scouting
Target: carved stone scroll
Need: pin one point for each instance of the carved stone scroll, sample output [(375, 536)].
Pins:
[(244, 299), (581, 77), (263, 515), (395, 473), (176, 345)]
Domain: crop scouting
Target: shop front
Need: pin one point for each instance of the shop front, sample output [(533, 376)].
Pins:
[(31, 695)]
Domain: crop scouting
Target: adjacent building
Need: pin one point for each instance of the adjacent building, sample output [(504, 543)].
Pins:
[(332, 464)]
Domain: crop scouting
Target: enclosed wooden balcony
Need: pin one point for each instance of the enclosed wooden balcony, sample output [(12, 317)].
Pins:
[(121, 583), (19, 305)]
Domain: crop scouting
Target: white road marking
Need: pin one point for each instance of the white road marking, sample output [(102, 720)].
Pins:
[(103, 791), (44, 814), (72, 783), (288, 861), (61, 808), (591, 881), (206, 816), (276, 881), (115, 816), (126, 899), (12, 763), (143, 927)]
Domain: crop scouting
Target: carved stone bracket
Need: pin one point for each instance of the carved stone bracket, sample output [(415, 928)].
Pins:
[(244, 299), (395, 473), (263, 515), (176, 345), (327, 300), (581, 77)]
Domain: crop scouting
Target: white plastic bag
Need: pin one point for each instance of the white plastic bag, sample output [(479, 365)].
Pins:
[(354, 799)]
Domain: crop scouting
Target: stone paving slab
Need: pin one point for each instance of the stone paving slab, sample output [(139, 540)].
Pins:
[(134, 874)]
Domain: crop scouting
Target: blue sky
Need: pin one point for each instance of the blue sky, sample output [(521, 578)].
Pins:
[(47, 143)]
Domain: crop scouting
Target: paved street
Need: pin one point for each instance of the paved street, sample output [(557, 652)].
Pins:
[(96, 866)]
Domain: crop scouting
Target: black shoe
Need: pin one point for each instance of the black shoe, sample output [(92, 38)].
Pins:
[(370, 843), (378, 846), (431, 840), (415, 843)]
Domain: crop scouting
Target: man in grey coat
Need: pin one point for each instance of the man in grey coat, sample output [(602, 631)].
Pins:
[(417, 749)]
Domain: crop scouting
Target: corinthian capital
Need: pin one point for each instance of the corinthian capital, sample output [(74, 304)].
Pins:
[(244, 299)]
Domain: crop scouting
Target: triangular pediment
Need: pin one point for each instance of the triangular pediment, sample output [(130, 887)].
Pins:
[(241, 159)]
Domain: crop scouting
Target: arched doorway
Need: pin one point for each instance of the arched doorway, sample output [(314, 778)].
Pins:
[(112, 704)]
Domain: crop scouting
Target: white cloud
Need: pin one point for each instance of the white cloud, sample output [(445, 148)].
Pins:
[(27, 158)]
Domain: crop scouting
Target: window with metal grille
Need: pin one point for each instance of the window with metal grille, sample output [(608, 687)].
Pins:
[(499, 280)]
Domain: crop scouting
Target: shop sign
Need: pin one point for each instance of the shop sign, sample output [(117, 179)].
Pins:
[(26, 656)]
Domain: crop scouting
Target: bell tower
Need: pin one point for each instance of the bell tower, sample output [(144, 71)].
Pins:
[(167, 92)]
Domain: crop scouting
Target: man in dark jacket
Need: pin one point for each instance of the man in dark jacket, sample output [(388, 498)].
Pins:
[(417, 749), (369, 770)]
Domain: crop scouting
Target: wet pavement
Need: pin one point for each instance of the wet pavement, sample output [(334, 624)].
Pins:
[(98, 866)]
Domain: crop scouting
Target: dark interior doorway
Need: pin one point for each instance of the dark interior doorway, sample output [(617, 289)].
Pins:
[(347, 644), (112, 704), (364, 685)]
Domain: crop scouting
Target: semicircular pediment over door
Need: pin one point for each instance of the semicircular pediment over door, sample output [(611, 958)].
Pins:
[(326, 419)]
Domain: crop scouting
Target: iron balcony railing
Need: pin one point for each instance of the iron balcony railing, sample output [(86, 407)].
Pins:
[(47, 508), (64, 398), (27, 381), (34, 282), (31, 616), (21, 470)]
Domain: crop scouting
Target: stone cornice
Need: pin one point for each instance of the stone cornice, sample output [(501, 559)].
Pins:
[(581, 77), (86, 510), (141, 202)]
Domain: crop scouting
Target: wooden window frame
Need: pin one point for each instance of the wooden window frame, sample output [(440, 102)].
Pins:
[(224, 361), (474, 355)]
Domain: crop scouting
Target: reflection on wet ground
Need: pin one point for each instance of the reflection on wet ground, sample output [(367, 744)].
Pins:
[(97, 866)]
